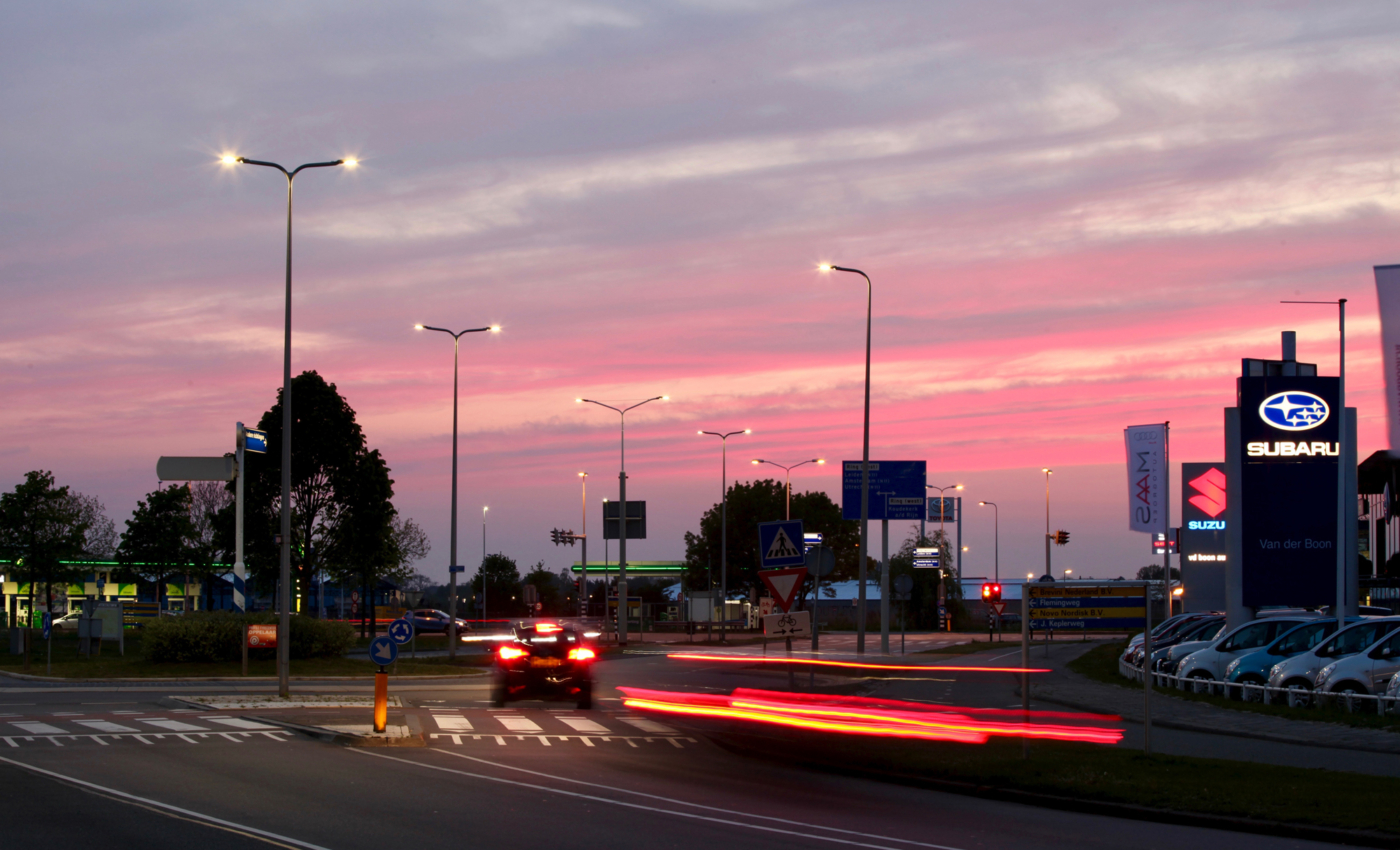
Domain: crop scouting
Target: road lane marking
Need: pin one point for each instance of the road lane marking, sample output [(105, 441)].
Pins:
[(173, 725), (247, 831), (518, 724), (583, 724), (452, 722), (35, 728), (238, 723), (105, 726), (785, 831), (651, 726)]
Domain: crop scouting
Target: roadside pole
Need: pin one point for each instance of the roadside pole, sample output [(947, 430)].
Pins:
[(1025, 665), (1147, 668), (884, 587), (381, 700)]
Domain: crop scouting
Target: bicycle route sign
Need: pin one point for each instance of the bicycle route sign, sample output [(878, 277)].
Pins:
[(788, 625)]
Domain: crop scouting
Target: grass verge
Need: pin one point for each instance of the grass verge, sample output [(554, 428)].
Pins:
[(69, 665), (1101, 665), (1102, 774)]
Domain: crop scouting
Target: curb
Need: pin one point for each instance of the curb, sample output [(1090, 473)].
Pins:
[(1126, 811), (345, 739)]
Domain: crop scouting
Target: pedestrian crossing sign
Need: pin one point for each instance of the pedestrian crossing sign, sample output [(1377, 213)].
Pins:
[(779, 544)]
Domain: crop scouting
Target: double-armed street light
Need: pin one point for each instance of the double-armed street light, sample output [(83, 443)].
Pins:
[(865, 488), (787, 512), (723, 526), (942, 516), (284, 596), (621, 512), (452, 564)]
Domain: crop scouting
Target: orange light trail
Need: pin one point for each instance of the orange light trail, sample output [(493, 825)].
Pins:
[(866, 716), (750, 659)]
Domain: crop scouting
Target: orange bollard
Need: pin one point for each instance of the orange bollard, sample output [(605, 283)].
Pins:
[(381, 700)]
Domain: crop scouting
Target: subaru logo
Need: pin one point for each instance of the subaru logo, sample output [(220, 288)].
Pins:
[(1293, 410)]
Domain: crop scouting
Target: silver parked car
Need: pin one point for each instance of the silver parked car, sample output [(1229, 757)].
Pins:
[(1209, 662), (1366, 672), (1301, 670)]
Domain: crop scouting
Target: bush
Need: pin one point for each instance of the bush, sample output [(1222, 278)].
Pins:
[(216, 636)]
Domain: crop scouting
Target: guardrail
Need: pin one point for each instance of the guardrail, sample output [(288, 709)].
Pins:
[(1248, 692)]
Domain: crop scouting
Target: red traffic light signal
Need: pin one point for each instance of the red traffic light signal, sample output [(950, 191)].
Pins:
[(991, 592), (996, 593)]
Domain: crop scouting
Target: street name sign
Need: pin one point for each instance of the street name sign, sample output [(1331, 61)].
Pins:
[(896, 489), (196, 468), (457, 568), (254, 441), (926, 558), (778, 544), (784, 585), (789, 625), (1112, 605), (383, 650)]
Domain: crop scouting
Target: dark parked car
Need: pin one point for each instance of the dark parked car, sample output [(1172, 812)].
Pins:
[(544, 661)]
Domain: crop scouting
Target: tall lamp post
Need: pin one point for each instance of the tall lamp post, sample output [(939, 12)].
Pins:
[(482, 569), (723, 526), (621, 514), (583, 576), (452, 564), (942, 514), (1048, 575), (1341, 607), (787, 512), (996, 536), (284, 594), (865, 481)]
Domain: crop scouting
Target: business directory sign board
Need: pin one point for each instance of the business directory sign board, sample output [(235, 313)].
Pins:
[(897, 489), (1289, 440), (1112, 605)]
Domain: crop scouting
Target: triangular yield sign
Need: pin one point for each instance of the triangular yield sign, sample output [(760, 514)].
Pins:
[(783, 584), (782, 547), (999, 607)]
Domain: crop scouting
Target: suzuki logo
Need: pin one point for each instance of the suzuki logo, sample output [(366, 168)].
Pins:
[(1211, 488), (1293, 410)]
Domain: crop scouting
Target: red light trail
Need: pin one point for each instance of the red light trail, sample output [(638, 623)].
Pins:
[(752, 659)]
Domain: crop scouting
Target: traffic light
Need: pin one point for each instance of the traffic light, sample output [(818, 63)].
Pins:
[(554, 535), (987, 592), (996, 593), (1061, 538)]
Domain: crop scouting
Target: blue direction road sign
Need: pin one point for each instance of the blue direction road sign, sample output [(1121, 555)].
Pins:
[(457, 568), (254, 441), (383, 650), (780, 544), (926, 557), (401, 631), (896, 489)]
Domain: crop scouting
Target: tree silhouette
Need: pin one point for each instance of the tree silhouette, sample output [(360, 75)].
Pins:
[(161, 539)]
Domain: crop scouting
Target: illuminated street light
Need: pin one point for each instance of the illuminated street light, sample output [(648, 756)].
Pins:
[(452, 562), (284, 595), (865, 490), (723, 526), (787, 514)]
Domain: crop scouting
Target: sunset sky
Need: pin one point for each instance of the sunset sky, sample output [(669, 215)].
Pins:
[(1077, 216)]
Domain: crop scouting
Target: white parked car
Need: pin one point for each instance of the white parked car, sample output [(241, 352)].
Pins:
[(1301, 670), (1366, 672), (1209, 662)]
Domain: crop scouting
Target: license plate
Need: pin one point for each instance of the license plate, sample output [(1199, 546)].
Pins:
[(545, 662)]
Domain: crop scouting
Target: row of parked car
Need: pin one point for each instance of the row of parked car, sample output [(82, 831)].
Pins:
[(1293, 650)]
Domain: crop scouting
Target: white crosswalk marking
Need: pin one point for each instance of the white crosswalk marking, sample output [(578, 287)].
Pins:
[(105, 726), (174, 725), (583, 724), (518, 724), (238, 723), (649, 726), (35, 728), (452, 722)]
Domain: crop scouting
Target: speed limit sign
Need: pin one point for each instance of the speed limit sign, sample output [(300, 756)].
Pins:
[(354, 596)]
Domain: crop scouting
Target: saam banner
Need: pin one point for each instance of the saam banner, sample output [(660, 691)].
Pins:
[(1147, 477), (1388, 298)]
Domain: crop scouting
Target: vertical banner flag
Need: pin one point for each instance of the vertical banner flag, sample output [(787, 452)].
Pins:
[(1147, 478), (1388, 298)]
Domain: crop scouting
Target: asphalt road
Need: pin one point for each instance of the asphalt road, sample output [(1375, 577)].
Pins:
[(182, 778)]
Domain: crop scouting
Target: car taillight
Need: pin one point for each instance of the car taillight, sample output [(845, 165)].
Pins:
[(506, 653), (548, 629), (582, 653)]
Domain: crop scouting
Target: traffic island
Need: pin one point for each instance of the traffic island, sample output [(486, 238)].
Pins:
[(349, 730)]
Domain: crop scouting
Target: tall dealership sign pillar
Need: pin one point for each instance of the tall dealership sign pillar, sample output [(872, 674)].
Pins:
[(1149, 510), (1291, 459)]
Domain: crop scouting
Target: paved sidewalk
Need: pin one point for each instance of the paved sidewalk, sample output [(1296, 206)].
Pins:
[(1068, 688)]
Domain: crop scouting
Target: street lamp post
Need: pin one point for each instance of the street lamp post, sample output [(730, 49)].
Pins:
[(1048, 575), (284, 593), (865, 483), (452, 564), (621, 514), (996, 537), (583, 574), (942, 514), (723, 527), (787, 513), (482, 568)]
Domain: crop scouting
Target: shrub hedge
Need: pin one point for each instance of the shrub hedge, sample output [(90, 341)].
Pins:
[(215, 636)]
